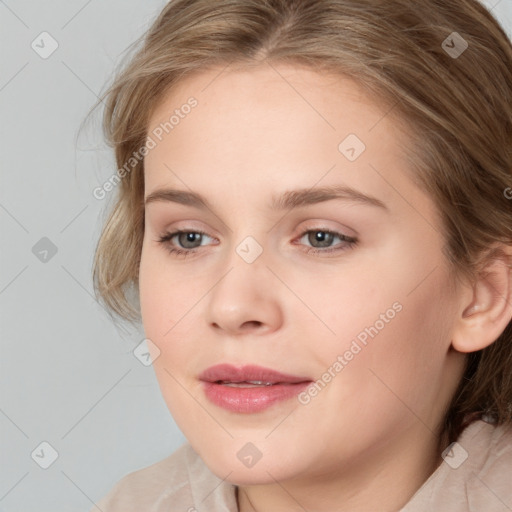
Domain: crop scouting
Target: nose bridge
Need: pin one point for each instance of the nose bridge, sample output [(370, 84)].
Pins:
[(244, 295), (245, 273)]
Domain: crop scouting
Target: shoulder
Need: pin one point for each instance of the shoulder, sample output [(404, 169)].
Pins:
[(170, 481), (490, 484), (475, 473), (141, 488)]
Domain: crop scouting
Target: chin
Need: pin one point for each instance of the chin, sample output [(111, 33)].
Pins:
[(245, 466)]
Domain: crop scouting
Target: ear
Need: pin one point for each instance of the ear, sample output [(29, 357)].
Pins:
[(486, 308)]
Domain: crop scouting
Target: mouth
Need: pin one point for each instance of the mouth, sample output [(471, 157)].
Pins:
[(249, 374), (250, 384), (249, 389)]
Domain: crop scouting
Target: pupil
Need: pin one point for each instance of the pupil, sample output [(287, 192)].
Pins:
[(189, 238), (321, 237)]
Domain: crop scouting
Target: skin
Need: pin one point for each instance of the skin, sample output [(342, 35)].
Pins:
[(370, 438)]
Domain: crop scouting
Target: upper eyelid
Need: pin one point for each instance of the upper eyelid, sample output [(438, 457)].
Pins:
[(169, 235)]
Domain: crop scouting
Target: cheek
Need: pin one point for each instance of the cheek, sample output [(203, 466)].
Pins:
[(401, 367), (166, 302), (166, 295), (392, 333)]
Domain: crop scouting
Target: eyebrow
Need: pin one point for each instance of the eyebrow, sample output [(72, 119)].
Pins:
[(288, 200)]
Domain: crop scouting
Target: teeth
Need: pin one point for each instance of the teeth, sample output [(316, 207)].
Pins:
[(247, 384)]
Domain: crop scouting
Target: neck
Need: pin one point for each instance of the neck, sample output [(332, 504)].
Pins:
[(384, 481)]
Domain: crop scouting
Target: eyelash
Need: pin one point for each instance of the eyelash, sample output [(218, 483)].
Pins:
[(350, 242)]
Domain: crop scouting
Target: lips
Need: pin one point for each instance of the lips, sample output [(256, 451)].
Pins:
[(249, 389), (226, 373)]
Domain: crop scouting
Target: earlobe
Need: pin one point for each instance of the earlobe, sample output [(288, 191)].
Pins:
[(489, 309)]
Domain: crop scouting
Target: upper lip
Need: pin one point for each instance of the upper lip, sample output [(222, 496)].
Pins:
[(230, 373)]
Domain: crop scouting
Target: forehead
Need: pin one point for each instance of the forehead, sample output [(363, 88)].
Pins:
[(281, 125), (264, 88), (268, 112)]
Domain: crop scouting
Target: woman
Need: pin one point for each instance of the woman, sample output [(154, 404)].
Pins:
[(312, 203)]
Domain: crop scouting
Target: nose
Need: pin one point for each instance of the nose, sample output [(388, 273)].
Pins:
[(245, 300)]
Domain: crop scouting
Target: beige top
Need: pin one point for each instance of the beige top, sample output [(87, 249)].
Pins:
[(476, 476)]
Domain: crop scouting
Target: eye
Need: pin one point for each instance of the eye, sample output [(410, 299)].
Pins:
[(188, 241), (321, 241), (183, 242)]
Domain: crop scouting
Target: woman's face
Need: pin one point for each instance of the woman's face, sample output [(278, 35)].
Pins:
[(296, 272)]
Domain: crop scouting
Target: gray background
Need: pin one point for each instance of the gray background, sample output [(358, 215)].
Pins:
[(68, 376)]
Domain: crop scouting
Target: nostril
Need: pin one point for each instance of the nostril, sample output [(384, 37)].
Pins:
[(251, 323)]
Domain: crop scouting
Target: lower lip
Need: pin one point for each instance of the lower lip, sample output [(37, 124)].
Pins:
[(253, 399)]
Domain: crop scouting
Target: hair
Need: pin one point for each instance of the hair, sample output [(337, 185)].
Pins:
[(458, 110)]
